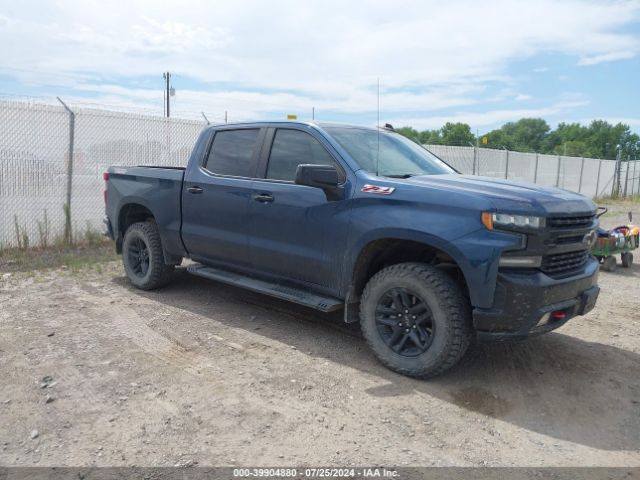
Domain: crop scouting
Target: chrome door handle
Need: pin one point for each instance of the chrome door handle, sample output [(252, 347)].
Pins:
[(263, 198)]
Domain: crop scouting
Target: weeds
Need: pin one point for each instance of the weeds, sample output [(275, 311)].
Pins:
[(91, 236), (73, 251), (74, 257), (43, 230), (22, 238)]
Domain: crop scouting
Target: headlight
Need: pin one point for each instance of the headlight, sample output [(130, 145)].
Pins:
[(507, 220)]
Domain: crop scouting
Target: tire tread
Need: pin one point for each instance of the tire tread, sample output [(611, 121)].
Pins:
[(455, 305), (161, 273)]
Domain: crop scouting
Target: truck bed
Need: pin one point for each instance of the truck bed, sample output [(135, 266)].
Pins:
[(159, 189)]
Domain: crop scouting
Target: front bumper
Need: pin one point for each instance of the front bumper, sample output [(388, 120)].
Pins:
[(523, 299)]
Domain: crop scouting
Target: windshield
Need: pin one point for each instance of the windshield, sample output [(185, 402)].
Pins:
[(386, 153)]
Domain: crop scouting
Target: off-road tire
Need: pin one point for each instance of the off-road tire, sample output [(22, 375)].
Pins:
[(627, 259), (158, 273), (450, 312), (609, 264)]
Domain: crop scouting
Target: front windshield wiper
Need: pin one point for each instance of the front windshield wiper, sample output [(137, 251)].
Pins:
[(402, 175)]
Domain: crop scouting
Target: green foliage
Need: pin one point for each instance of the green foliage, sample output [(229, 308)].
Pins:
[(22, 237), (525, 135), (457, 134), (599, 139), (450, 134)]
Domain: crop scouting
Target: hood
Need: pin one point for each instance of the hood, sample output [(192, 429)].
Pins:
[(509, 195)]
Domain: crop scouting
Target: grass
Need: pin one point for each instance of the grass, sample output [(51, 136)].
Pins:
[(94, 252)]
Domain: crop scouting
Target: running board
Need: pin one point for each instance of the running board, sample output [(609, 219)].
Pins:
[(324, 304)]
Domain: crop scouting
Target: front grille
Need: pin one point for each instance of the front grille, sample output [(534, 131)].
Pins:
[(561, 264), (580, 221)]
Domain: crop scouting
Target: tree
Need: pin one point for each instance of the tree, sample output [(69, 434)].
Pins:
[(457, 134), (409, 132), (599, 139), (525, 135)]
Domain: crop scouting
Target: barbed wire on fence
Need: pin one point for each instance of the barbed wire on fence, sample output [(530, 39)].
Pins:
[(45, 160)]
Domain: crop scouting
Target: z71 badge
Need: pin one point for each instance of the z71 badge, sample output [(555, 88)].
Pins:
[(378, 189)]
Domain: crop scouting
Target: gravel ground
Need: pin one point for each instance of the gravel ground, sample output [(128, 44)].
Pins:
[(95, 372)]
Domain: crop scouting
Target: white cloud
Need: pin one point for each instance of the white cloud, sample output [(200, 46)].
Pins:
[(326, 54), (607, 57)]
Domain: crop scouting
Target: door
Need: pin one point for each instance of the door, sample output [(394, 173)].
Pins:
[(296, 233), (216, 197)]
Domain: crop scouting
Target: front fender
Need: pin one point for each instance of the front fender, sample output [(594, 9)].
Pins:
[(476, 254)]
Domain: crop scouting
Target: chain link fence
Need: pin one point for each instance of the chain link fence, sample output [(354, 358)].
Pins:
[(52, 159), (50, 155), (590, 176)]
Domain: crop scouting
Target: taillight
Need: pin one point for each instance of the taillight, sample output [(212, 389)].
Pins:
[(105, 177)]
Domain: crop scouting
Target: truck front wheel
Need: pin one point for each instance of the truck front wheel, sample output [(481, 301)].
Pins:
[(143, 258), (415, 319)]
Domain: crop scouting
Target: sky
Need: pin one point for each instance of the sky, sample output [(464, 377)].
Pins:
[(482, 63)]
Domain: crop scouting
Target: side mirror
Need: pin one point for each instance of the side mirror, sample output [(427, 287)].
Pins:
[(321, 176)]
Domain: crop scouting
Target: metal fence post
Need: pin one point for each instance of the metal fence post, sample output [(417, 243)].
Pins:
[(581, 172), (68, 226), (598, 177), (558, 173), (626, 180), (475, 160), (633, 179), (535, 172), (506, 170)]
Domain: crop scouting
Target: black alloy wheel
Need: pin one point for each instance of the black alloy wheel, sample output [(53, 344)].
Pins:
[(138, 253), (404, 321)]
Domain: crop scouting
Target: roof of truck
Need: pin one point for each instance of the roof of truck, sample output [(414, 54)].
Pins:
[(296, 122)]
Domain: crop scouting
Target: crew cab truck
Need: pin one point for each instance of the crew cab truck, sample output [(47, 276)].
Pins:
[(362, 219)]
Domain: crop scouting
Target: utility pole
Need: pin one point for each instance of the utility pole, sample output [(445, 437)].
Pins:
[(167, 77)]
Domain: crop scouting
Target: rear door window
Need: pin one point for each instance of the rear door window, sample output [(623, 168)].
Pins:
[(232, 152)]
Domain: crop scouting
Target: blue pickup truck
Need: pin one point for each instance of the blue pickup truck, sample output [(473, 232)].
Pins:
[(363, 220)]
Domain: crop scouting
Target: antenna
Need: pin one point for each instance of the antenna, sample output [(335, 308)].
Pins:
[(378, 133)]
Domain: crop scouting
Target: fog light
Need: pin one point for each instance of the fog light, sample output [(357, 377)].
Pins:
[(520, 262)]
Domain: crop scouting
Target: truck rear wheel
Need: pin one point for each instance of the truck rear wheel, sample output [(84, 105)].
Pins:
[(415, 319), (143, 258)]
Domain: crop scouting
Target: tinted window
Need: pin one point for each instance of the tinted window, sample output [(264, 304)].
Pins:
[(232, 152), (291, 148)]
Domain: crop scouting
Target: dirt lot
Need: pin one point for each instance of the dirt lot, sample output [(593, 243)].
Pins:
[(201, 373)]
